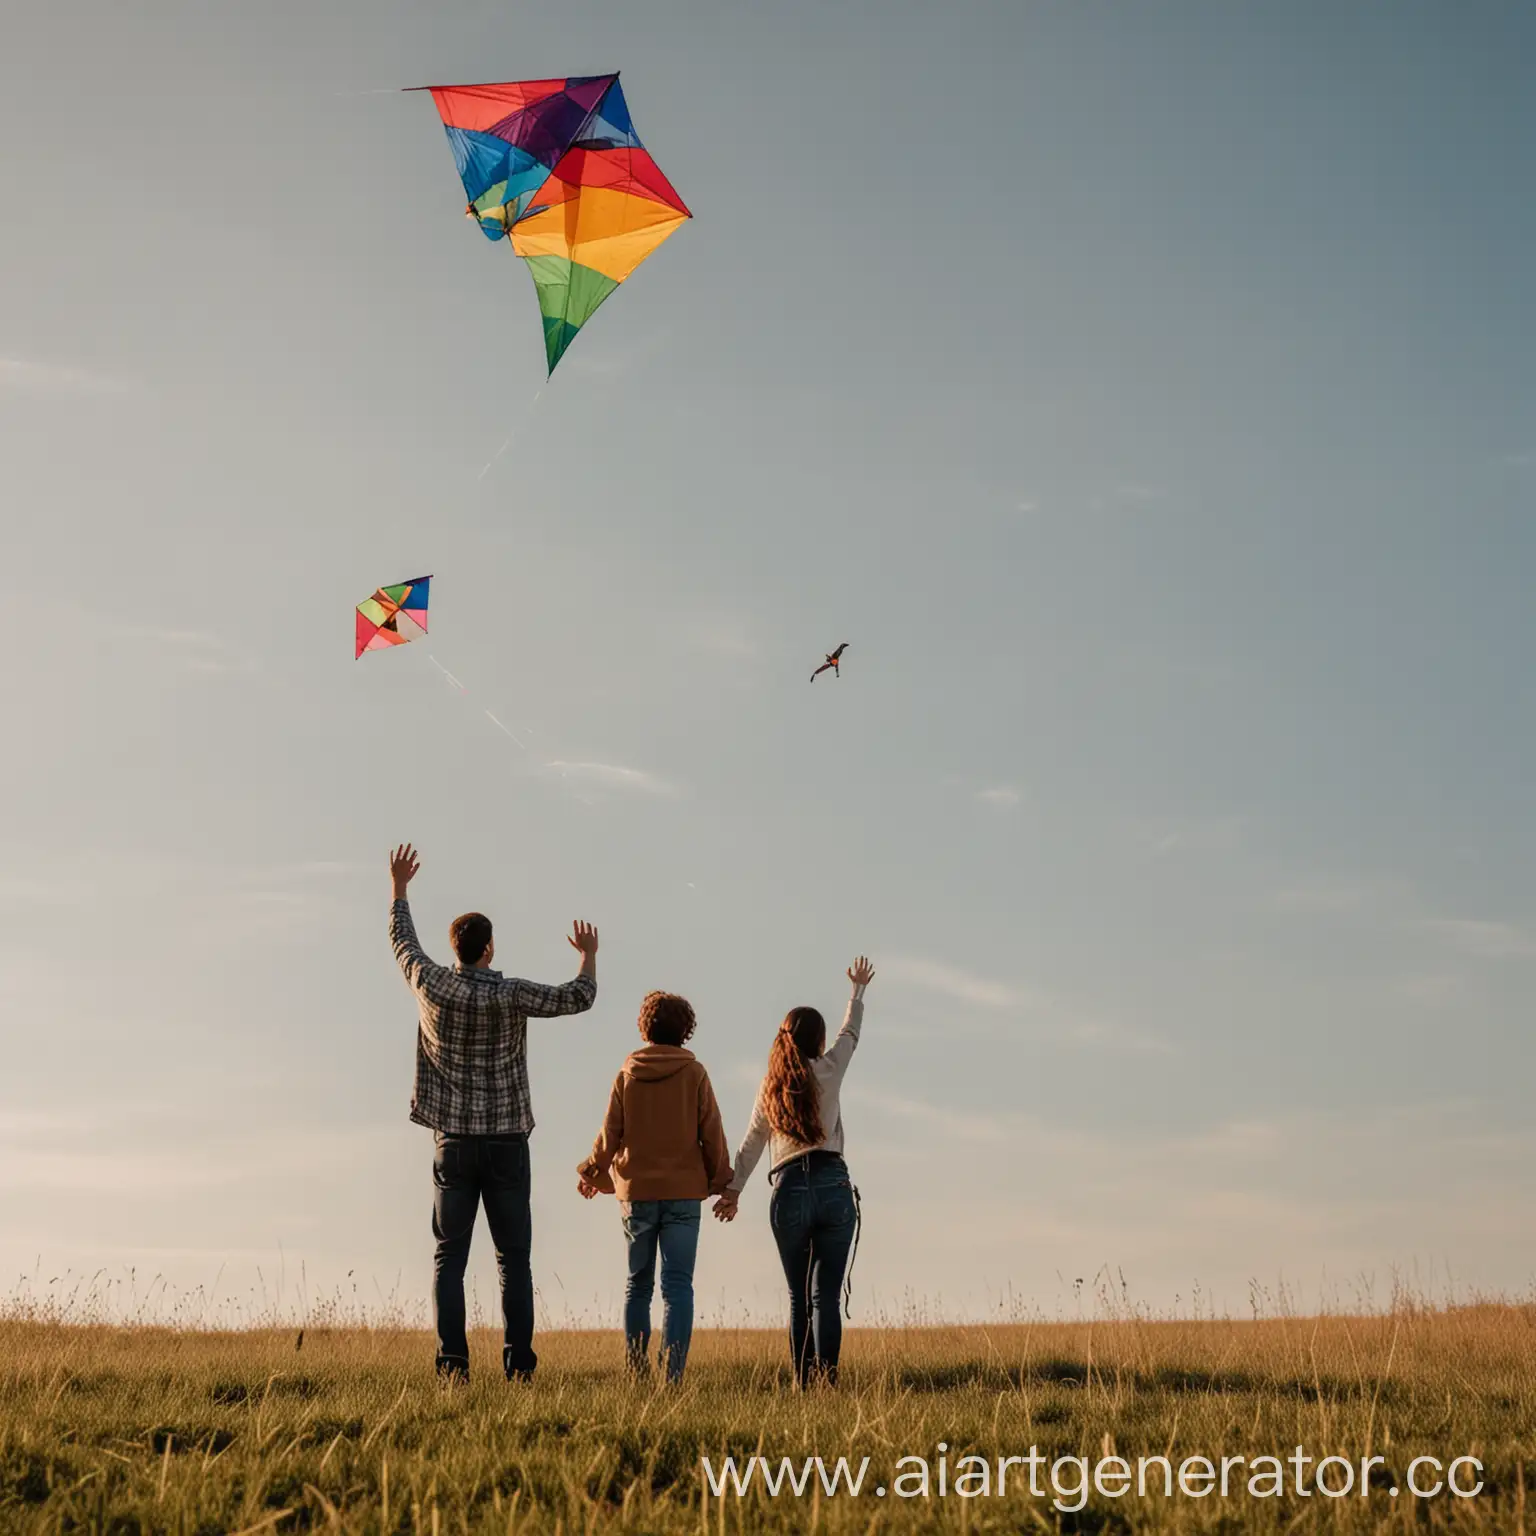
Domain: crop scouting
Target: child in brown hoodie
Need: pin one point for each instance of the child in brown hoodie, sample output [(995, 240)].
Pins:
[(662, 1150)]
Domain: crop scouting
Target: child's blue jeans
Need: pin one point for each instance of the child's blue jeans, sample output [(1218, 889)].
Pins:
[(673, 1227)]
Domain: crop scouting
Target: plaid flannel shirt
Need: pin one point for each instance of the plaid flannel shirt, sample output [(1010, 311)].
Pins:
[(472, 1041)]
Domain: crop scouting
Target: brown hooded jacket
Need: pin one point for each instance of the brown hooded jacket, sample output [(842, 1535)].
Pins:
[(662, 1138)]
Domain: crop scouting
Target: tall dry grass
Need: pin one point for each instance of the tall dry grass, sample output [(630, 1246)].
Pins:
[(119, 1429)]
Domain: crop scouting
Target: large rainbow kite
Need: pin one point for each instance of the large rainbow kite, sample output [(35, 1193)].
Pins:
[(557, 167)]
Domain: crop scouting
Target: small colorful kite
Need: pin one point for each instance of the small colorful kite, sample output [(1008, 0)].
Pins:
[(392, 616), (832, 661), (557, 166)]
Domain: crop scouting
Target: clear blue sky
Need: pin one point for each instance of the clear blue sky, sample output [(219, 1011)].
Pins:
[(1145, 392)]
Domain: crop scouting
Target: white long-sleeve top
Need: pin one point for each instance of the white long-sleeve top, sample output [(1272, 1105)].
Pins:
[(828, 1070)]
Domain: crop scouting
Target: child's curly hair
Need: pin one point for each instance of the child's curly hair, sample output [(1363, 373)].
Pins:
[(666, 1018)]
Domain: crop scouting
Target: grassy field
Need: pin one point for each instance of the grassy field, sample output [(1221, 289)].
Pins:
[(145, 1429)]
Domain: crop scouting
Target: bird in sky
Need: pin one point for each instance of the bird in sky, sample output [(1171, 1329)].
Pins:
[(833, 658)]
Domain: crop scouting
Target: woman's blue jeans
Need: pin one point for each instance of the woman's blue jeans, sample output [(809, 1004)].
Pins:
[(672, 1227), (814, 1220)]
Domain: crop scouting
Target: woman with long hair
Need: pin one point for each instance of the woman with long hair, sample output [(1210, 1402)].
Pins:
[(814, 1210)]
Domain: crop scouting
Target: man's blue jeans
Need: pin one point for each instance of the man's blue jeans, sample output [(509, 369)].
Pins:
[(465, 1171), (814, 1218), (673, 1227)]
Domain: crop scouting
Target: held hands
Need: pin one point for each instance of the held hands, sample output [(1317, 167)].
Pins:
[(725, 1207), (586, 1189), (403, 864), (861, 972), (583, 939)]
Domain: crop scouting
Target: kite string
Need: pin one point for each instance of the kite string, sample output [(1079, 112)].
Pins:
[(459, 687), (506, 730), (514, 434)]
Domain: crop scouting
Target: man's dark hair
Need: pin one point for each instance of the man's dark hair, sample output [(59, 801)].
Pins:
[(666, 1018), (470, 936)]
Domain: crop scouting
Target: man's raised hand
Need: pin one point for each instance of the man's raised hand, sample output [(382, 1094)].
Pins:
[(583, 938), (861, 972), (403, 865)]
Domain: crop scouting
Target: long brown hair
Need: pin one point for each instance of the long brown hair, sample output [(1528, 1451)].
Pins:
[(789, 1088)]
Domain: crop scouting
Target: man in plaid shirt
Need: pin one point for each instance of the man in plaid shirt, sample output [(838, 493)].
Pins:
[(472, 1091)]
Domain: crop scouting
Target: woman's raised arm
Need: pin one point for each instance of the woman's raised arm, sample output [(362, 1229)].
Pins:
[(860, 973)]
